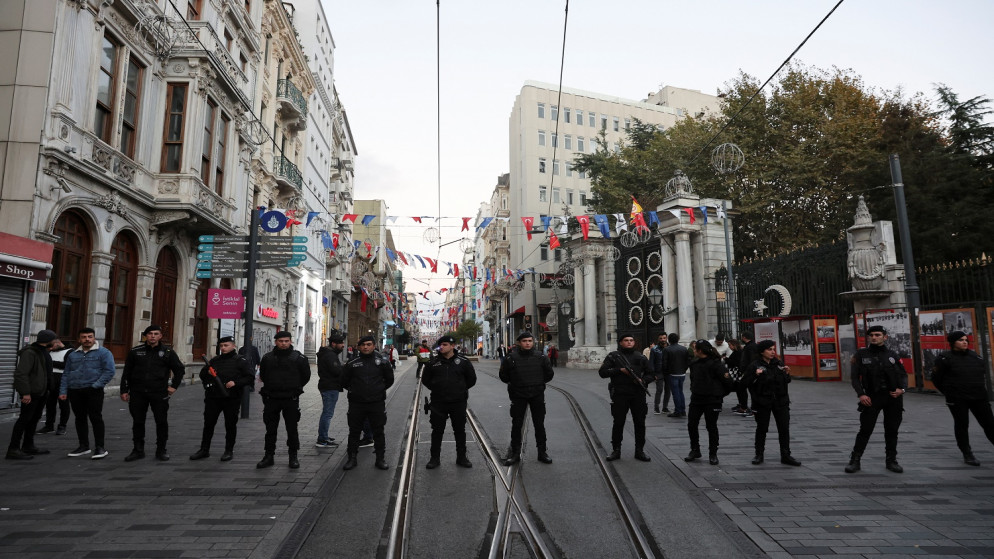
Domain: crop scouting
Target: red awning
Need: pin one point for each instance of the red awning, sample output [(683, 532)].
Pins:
[(543, 325), (519, 311)]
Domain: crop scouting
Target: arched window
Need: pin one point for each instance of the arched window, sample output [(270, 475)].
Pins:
[(70, 278), (121, 296)]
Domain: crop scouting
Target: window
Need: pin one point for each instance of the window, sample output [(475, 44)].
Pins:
[(543, 194), (615, 124), (228, 40), (558, 254), (555, 140), (583, 196), (583, 175), (628, 124), (569, 191), (541, 164), (541, 137), (248, 6), (193, 9), (541, 110), (566, 115), (603, 122), (132, 99), (243, 62), (219, 152), (617, 147), (208, 144), (591, 119), (579, 144), (103, 123), (555, 195), (172, 140), (555, 112), (555, 167), (569, 173), (569, 142), (544, 252), (579, 117), (269, 41)]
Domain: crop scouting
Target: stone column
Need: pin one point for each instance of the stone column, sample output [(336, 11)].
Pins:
[(579, 309), (701, 293), (685, 288), (590, 303), (608, 298), (100, 267), (668, 272)]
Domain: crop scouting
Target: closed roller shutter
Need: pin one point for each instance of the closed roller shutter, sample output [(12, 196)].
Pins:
[(11, 309)]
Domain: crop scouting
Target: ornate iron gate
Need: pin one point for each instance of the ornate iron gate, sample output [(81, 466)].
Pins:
[(639, 289)]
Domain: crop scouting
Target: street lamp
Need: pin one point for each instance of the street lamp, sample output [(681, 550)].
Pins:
[(654, 288)]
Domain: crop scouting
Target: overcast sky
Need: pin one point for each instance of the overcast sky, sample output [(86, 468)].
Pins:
[(385, 72)]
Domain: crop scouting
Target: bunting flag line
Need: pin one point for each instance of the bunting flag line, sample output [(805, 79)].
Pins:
[(553, 240), (483, 224), (367, 219), (704, 212), (465, 223), (720, 211), (602, 225), (676, 214), (584, 225), (528, 221), (619, 223), (350, 217), (690, 212), (310, 218), (636, 208)]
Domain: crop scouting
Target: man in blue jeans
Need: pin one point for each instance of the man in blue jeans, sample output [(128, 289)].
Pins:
[(330, 385), (676, 360)]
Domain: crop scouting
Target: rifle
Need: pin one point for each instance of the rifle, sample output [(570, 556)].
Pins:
[(627, 366), (427, 405), (219, 386)]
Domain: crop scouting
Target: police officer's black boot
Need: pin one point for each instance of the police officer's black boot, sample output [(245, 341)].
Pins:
[(204, 452), (513, 456), (970, 459), (137, 453), (543, 455), (381, 464), (713, 457), (615, 454), (853, 465), (758, 459), (351, 462), (227, 455), (161, 454), (433, 462), (461, 459), (892, 464), (266, 462), (294, 463), (695, 453), (786, 458), (641, 456)]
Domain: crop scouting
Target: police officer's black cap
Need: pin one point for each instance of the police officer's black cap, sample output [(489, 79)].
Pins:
[(282, 334), (446, 339), (152, 328), (876, 328), (954, 336), (226, 339), (365, 339), (765, 345), (336, 338), (525, 335)]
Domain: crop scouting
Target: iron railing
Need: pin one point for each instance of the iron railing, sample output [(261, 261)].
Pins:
[(284, 169), (953, 284), (286, 90)]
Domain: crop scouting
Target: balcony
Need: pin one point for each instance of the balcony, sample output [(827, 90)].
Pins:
[(287, 174), (293, 106), (503, 213)]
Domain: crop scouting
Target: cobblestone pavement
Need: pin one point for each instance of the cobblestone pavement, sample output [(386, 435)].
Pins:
[(55, 506)]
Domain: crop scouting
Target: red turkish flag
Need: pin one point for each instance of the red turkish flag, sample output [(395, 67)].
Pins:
[(639, 221), (350, 217), (584, 225), (465, 223), (455, 270), (334, 240), (690, 212), (553, 240), (417, 219), (433, 264), (528, 221)]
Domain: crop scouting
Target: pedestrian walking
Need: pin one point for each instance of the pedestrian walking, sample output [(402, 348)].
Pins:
[(880, 380), (146, 383), (449, 376), (709, 383), (630, 374), (960, 375), (526, 372), (676, 361), (767, 378), (31, 377), (88, 370), (554, 355), (284, 372), (58, 352), (367, 378), (329, 385), (661, 377), (424, 356), (224, 379), (501, 353)]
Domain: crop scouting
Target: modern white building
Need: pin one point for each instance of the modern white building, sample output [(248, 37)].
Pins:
[(546, 133)]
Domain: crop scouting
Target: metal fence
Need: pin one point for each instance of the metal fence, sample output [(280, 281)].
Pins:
[(965, 283)]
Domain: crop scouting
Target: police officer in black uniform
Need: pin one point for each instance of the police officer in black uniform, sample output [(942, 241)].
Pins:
[(449, 376), (630, 374), (526, 371), (367, 376), (880, 380), (767, 378), (959, 374), (145, 383), (284, 372), (223, 394)]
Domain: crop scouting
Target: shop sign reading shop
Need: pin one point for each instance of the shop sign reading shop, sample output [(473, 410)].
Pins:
[(225, 303)]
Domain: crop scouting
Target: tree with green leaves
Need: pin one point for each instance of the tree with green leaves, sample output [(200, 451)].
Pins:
[(467, 332)]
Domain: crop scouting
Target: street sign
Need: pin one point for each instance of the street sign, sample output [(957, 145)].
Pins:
[(223, 238), (244, 248), (206, 274), (244, 240)]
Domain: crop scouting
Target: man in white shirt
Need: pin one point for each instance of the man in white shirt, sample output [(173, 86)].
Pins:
[(719, 343)]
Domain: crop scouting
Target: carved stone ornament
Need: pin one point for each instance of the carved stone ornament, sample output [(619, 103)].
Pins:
[(113, 203), (865, 261), (168, 187), (161, 218), (678, 185), (102, 156)]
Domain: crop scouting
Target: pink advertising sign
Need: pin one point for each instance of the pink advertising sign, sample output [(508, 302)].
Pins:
[(225, 303)]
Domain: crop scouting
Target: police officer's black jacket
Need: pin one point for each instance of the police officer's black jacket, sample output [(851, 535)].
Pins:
[(526, 372), (959, 375), (284, 373), (750, 354), (367, 377), (329, 369), (230, 367), (146, 369), (449, 379), (709, 381), (624, 384), (769, 389), (877, 369)]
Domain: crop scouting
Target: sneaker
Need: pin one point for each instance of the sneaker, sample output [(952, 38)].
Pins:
[(748, 413), (366, 442), (45, 430), (81, 451), (657, 412), (99, 453), (666, 410), (61, 430), (322, 444)]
